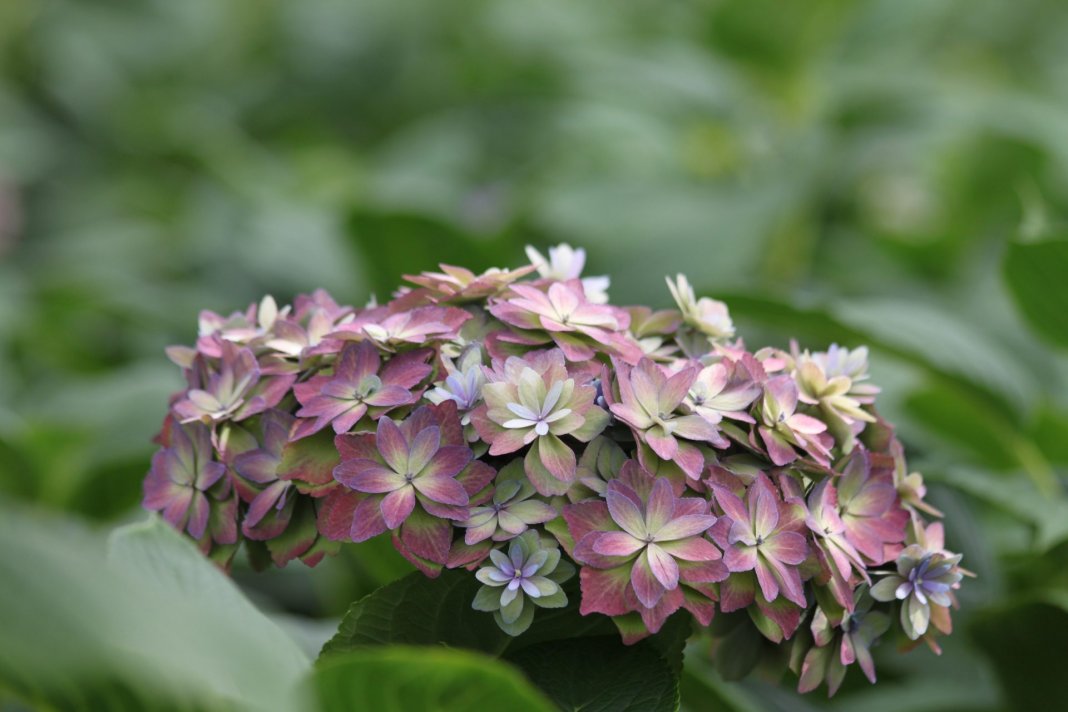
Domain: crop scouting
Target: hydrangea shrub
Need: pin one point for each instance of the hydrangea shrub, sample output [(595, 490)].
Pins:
[(517, 425)]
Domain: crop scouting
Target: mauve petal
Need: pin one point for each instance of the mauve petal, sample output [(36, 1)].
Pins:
[(423, 447), (604, 591), (199, 509), (675, 389), (264, 502), (210, 473), (690, 459), (616, 544), (779, 450), (160, 491), (358, 361), (407, 369), (647, 587), (740, 558), (392, 445), (789, 581), (783, 391), (661, 506), (506, 442), (573, 348), (176, 508), (445, 490), (344, 421), (764, 509), (397, 506), (662, 443), (585, 517), (663, 566), (448, 461), (692, 549), (257, 466), (389, 396), (694, 427), (696, 572), (732, 505), (335, 520), (769, 586), (428, 537), (872, 501), (647, 381), (625, 513), (683, 527), (787, 547), (484, 531), (368, 476)]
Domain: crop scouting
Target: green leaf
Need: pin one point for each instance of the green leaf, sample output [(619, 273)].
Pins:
[(151, 620), (416, 610), (399, 679), (600, 674), (420, 611), (1035, 273)]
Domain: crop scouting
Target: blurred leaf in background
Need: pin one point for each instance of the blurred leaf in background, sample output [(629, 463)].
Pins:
[(890, 172)]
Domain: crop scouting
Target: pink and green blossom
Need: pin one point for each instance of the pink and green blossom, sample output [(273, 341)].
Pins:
[(359, 385), (535, 402), (649, 401), (764, 536)]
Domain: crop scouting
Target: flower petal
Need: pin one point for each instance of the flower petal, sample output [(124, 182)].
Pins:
[(445, 490), (625, 512), (397, 506), (647, 587), (616, 544)]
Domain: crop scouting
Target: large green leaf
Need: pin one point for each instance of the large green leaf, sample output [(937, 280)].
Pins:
[(1036, 274), (578, 660), (600, 674), (154, 620), (403, 678)]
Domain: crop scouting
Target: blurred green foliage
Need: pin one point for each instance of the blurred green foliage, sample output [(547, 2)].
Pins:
[(879, 171)]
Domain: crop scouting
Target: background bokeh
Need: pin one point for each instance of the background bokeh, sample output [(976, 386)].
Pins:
[(859, 172)]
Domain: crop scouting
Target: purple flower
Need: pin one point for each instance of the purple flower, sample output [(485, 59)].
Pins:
[(189, 487), (395, 327), (725, 390), (870, 509), (234, 392), (648, 400), (457, 285), (567, 318), (463, 385), (782, 428), (763, 536), (270, 498), (532, 570), (405, 466), (924, 579), (359, 384), (534, 401), (655, 541)]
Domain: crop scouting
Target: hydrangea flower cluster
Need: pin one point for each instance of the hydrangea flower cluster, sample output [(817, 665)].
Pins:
[(518, 425)]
